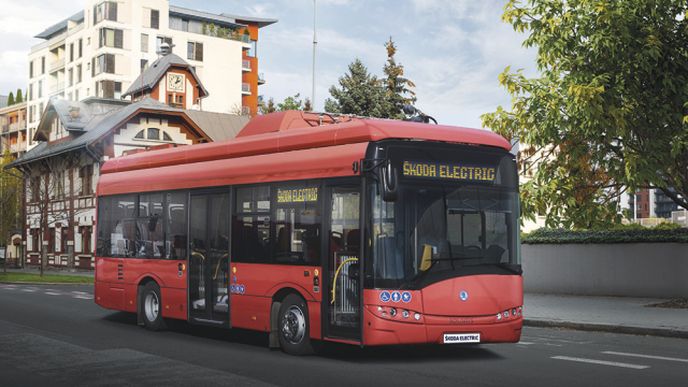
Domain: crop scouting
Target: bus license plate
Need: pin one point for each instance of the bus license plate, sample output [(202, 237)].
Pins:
[(460, 338)]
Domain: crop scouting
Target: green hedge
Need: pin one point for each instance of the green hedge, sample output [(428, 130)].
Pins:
[(614, 235)]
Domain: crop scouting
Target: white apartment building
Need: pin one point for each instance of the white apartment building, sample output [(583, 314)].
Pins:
[(101, 50)]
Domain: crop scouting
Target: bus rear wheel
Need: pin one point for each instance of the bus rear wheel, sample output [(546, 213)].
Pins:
[(293, 326), (150, 307)]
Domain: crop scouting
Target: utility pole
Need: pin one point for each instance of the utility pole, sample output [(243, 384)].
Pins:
[(315, 42)]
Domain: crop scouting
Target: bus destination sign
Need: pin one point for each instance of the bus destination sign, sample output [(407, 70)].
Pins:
[(432, 170), (297, 195)]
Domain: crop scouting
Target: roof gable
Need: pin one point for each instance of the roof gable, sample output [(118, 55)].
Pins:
[(147, 80)]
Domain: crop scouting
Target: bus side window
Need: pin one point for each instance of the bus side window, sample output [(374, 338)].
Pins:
[(175, 231), (251, 239)]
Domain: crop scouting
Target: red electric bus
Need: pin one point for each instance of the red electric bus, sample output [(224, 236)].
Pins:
[(314, 227)]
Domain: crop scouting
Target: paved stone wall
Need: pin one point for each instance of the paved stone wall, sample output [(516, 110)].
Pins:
[(632, 269)]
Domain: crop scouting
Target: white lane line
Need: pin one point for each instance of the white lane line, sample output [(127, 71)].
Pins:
[(83, 297), (601, 362), (53, 293), (645, 356), (525, 343), (81, 293), (28, 290)]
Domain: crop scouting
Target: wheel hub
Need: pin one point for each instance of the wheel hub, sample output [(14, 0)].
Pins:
[(294, 325), (151, 306)]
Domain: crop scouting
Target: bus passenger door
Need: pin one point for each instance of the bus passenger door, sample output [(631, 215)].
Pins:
[(343, 266), (209, 258)]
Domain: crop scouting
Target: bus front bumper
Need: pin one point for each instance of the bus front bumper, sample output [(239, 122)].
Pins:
[(383, 331)]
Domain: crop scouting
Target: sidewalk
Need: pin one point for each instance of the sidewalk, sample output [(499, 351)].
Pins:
[(608, 314), (35, 270)]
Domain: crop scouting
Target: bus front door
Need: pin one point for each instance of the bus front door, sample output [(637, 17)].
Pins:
[(343, 266), (209, 258)]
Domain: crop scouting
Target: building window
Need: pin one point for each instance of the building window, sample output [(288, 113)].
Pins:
[(107, 10), (144, 42), (194, 51), (70, 77), (35, 188), (30, 69), (153, 133), (71, 52), (86, 175), (35, 238), (175, 100), (51, 239), (78, 73), (86, 232), (58, 184), (109, 89), (81, 48), (103, 64), (252, 51), (144, 64), (160, 40), (30, 92), (151, 18), (110, 37), (40, 89), (42, 65), (76, 94), (64, 231)]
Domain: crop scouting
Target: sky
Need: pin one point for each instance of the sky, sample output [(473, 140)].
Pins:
[(453, 50)]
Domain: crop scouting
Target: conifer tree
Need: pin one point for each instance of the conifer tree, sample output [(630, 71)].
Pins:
[(19, 98), (398, 89), (359, 93), (10, 99)]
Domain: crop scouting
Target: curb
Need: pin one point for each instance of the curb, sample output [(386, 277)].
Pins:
[(42, 283), (624, 329)]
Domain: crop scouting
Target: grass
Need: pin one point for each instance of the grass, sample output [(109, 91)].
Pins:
[(47, 278)]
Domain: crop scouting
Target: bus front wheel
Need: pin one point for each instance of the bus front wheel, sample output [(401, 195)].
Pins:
[(150, 307), (293, 326)]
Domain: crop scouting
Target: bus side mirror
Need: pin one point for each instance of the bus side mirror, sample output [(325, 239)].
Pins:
[(389, 180)]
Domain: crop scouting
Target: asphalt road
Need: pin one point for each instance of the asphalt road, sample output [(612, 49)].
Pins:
[(56, 336)]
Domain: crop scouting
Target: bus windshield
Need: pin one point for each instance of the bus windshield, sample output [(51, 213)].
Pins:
[(433, 233), (436, 230)]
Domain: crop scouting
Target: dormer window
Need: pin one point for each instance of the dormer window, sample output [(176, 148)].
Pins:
[(153, 134)]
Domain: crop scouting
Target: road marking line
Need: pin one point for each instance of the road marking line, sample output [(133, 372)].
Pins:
[(525, 343), (83, 297), (53, 294), (28, 290), (601, 362), (646, 356)]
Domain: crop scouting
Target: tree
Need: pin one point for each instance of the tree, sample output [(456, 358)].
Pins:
[(607, 112), (10, 99), (267, 107), (19, 98), (10, 200), (307, 105), (359, 93), (398, 89), (291, 103)]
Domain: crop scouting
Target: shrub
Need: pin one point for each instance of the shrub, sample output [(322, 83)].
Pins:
[(661, 233)]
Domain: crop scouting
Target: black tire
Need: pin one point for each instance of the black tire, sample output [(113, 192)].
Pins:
[(293, 326), (150, 307)]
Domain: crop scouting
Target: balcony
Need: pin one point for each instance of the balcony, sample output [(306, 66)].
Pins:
[(57, 88), (18, 147), (17, 126), (261, 79), (246, 65), (246, 88), (56, 65)]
